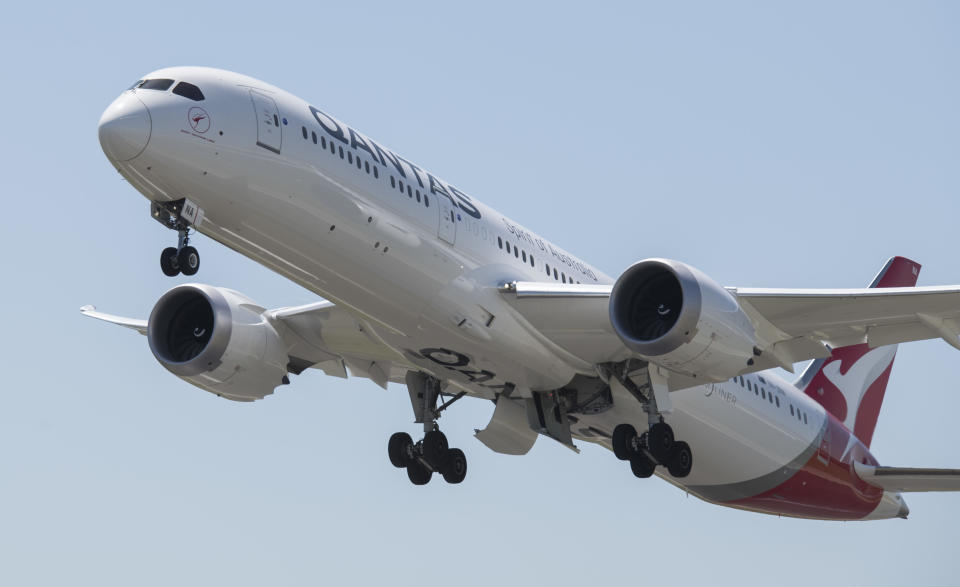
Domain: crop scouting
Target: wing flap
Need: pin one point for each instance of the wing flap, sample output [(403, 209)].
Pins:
[(903, 479)]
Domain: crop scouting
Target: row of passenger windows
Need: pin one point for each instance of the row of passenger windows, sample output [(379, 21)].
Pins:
[(522, 254), (422, 198), (363, 165), (761, 392)]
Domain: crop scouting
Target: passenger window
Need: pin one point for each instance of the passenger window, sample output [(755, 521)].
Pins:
[(375, 172), (749, 387), (499, 242), (366, 166), (333, 148), (161, 85), (341, 152), (401, 186), (418, 196), (349, 157), (508, 246), (547, 265), (409, 190), (763, 393), (188, 90), (303, 129), (524, 256), (516, 252), (531, 261), (359, 163), (564, 276), (426, 200), (791, 410), (804, 417), (323, 142), (393, 182), (313, 135), (777, 399), (555, 275)]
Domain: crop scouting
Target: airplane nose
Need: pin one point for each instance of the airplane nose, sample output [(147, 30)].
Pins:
[(125, 128)]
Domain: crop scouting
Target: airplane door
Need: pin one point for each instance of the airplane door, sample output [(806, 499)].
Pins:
[(269, 133), (448, 220)]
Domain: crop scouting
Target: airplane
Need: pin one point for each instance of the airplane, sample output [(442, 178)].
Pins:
[(422, 285)]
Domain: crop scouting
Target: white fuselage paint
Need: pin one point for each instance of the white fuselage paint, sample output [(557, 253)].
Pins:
[(350, 237)]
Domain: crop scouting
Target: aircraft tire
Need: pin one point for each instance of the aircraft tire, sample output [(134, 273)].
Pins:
[(189, 260), (660, 441), (642, 466), (168, 262), (681, 460), (455, 470), (418, 474), (622, 439), (435, 448), (398, 449)]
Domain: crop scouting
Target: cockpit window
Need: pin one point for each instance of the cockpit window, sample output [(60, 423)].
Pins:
[(161, 85), (188, 90), (136, 84)]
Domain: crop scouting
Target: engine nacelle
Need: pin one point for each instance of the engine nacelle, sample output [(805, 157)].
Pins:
[(675, 316), (218, 340)]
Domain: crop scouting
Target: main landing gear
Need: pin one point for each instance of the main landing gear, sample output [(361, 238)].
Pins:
[(178, 215), (647, 450), (432, 454), (656, 446)]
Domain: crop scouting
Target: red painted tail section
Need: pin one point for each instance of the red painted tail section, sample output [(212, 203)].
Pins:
[(851, 383)]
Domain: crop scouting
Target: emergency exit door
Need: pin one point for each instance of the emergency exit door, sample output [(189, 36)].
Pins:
[(448, 220), (269, 133)]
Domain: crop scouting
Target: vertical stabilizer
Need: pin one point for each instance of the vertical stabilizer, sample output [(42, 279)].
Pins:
[(850, 384)]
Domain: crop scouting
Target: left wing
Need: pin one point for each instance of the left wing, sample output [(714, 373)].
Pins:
[(318, 335)]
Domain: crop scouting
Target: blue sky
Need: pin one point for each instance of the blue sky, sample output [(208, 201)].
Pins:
[(767, 145)]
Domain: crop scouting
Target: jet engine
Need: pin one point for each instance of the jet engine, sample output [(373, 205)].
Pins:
[(675, 316), (218, 340)]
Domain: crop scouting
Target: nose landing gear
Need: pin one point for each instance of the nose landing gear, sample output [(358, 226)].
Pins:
[(179, 215)]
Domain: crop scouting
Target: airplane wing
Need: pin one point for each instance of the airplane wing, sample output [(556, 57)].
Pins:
[(795, 324), (318, 335), (908, 479)]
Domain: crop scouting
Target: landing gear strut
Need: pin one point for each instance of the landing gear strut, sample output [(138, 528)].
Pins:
[(432, 454), (179, 215)]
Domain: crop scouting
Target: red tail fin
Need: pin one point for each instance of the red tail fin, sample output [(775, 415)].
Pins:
[(850, 384)]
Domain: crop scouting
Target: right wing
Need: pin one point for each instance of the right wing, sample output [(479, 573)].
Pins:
[(902, 479), (794, 324)]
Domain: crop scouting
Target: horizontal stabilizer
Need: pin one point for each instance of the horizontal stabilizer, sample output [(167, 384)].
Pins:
[(904, 479)]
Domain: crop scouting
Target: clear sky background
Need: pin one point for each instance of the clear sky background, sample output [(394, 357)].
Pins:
[(767, 145)]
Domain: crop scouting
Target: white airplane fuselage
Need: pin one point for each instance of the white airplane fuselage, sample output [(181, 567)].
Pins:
[(321, 204)]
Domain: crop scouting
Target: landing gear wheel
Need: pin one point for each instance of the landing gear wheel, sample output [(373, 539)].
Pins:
[(681, 460), (622, 441), (418, 474), (642, 466), (399, 449), (660, 441), (168, 262), (189, 260), (455, 470), (435, 449)]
